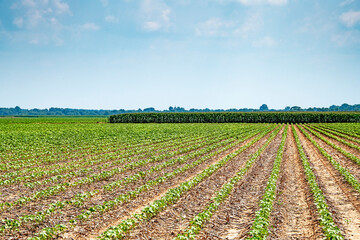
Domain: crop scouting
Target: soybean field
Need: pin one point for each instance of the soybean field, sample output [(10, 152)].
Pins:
[(84, 178)]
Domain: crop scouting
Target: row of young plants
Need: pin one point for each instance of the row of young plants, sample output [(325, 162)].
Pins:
[(260, 227), (352, 145), (52, 190), (61, 204), (101, 154), (345, 129), (37, 172), (200, 219), (170, 197), (40, 216), (98, 149), (343, 171), (142, 174), (78, 135), (333, 145), (114, 137), (47, 161), (88, 142), (330, 230), (76, 168), (337, 133), (106, 206)]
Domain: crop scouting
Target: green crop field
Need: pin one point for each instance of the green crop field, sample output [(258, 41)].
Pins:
[(86, 178)]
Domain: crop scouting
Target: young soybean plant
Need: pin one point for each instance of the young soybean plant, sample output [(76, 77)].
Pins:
[(259, 229), (171, 196), (199, 220), (331, 231)]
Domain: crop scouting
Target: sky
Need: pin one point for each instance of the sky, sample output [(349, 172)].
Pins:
[(130, 54)]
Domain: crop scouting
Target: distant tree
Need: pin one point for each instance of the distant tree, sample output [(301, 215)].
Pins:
[(17, 110), (179, 109), (345, 107), (287, 108), (334, 108), (264, 107), (150, 109), (295, 108)]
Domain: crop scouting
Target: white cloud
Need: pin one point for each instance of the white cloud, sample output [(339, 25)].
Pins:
[(152, 26), (19, 21), (251, 25), (257, 2), (34, 18), (90, 27), (346, 38), (229, 28), (111, 19), (346, 2), (155, 15), (350, 18), (61, 7), (265, 42), (214, 27)]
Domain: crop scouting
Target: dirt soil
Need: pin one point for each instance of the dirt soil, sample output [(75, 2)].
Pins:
[(341, 201), (294, 214)]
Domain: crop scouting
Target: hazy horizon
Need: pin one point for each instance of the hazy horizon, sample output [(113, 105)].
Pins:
[(217, 54)]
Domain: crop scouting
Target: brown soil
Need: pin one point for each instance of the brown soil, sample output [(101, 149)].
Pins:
[(345, 212), (294, 214), (235, 217), (203, 188), (351, 150), (67, 213), (8, 191), (351, 166)]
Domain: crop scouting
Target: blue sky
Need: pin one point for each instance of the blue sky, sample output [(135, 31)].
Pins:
[(131, 54)]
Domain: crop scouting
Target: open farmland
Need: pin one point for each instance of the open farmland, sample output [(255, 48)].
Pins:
[(86, 179)]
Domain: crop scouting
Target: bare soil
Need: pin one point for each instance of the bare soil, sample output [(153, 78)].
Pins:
[(294, 215), (340, 200)]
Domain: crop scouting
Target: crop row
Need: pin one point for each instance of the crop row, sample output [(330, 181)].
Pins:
[(170, 197), (352, 145), (343, 171), (347, 129), (259, 229), (76, 201), (336, 147), (200, 219), (106, 206), (115, 151), (49, 191), (105, 161), (338, 133), (330, 229)]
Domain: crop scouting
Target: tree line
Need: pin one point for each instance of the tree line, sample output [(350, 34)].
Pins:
[(17, 111)]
